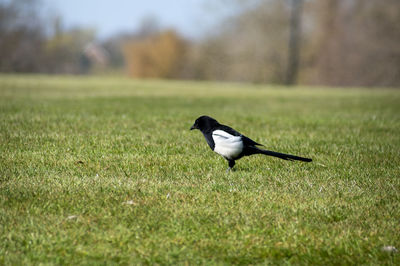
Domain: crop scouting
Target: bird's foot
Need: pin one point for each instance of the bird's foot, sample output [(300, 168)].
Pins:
[(230, 170)]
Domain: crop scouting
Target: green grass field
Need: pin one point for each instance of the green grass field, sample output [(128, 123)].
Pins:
[(106, 171)]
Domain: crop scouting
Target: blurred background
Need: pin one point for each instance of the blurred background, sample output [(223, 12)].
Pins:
[(307, 42)]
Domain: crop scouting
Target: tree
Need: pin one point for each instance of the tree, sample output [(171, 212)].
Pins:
[(356, 42), (155, 56), (248, 45), (27, 44), (294, 42), (64, 52), (21, 37)]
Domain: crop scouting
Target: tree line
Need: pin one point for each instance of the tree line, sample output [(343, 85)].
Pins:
[(325, 42)]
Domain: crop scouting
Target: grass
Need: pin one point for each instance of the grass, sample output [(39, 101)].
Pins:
[(105, 171)]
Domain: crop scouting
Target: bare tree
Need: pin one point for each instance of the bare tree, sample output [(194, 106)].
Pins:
[(21, 37), (356, 43), (294, 42)]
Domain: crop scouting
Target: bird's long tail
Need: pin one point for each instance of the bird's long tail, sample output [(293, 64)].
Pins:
[(280, 155)]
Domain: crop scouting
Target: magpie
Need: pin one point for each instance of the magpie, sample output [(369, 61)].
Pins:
[(232, 145)]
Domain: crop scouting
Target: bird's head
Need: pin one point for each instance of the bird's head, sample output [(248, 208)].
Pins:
[(204, 123)]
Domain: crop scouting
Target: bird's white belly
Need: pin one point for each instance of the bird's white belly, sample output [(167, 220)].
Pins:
[(227, 145)]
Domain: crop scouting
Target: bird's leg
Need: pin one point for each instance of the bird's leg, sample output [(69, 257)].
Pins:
[(231, 165)]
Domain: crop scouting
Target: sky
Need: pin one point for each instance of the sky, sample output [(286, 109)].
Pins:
[(189, 17)]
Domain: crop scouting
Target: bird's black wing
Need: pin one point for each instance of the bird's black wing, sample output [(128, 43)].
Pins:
[(210, 140), (247, 141), (228, 130)]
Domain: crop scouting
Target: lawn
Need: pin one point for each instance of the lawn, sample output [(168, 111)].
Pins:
[(102, 170)]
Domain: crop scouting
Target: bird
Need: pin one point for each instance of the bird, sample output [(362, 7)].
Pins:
[(231, 144)]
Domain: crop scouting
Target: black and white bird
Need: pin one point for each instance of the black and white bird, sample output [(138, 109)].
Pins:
[(232, 145)]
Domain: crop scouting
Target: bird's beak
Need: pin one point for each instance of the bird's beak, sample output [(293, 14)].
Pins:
[(193, 127)]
